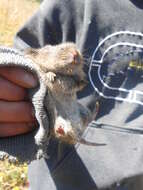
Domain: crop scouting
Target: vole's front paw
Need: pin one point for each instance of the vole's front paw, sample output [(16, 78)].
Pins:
[(51, 76)]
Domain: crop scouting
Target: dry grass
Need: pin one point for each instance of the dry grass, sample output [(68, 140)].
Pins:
[(13, 14), (13, 176)]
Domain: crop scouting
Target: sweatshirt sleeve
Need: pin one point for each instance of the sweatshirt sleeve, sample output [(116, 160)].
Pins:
[(42, 28), (54, 22)]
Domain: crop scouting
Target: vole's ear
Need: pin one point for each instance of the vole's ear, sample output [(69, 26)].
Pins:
[(31, 51)]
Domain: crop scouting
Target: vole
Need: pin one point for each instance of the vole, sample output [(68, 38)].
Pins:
[(62, 66)]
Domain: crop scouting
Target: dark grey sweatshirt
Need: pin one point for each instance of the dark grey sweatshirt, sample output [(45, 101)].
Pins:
[(110, 35)]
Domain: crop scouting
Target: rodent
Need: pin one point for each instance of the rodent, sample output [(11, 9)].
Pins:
[(62, 66)]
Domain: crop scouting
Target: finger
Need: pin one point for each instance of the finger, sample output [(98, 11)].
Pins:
[(12, 129), (16, 112), (11, 92), (19, 76)]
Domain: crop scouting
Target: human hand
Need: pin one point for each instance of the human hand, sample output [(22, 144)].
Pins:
[(16, 112)]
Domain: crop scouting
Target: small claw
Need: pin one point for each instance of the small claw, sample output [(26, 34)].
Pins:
[(51, 76)]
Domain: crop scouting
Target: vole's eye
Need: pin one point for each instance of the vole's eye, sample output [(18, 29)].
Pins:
[(76, 57)]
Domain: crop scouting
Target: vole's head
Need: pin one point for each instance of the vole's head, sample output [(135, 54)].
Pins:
[(64, 58)]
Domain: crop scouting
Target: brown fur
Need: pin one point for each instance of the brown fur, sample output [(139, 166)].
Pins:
[(62, 66)]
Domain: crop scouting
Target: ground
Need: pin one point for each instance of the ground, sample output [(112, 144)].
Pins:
[(13, 15)]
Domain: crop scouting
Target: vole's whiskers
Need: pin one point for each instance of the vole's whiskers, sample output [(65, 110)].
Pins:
[(86, 60), (84, 51)]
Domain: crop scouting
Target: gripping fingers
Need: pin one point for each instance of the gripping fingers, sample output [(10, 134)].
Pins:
[(16, 112), (12, 129), (19, 76)]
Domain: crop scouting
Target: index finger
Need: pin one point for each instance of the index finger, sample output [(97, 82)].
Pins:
[(19, 76)]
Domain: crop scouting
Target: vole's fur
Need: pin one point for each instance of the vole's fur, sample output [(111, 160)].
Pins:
[(62, 66)]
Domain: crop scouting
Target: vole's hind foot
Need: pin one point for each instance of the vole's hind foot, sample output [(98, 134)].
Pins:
[(51, 76)]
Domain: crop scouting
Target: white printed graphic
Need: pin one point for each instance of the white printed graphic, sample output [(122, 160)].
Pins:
[(96, 65)]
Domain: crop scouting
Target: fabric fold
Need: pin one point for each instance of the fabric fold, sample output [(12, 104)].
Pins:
[(23, 147)]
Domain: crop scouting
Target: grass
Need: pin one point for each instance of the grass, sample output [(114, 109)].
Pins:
[(13, 176), (13, 14)]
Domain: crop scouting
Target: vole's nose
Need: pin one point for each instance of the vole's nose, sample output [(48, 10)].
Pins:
[(76, 57)]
